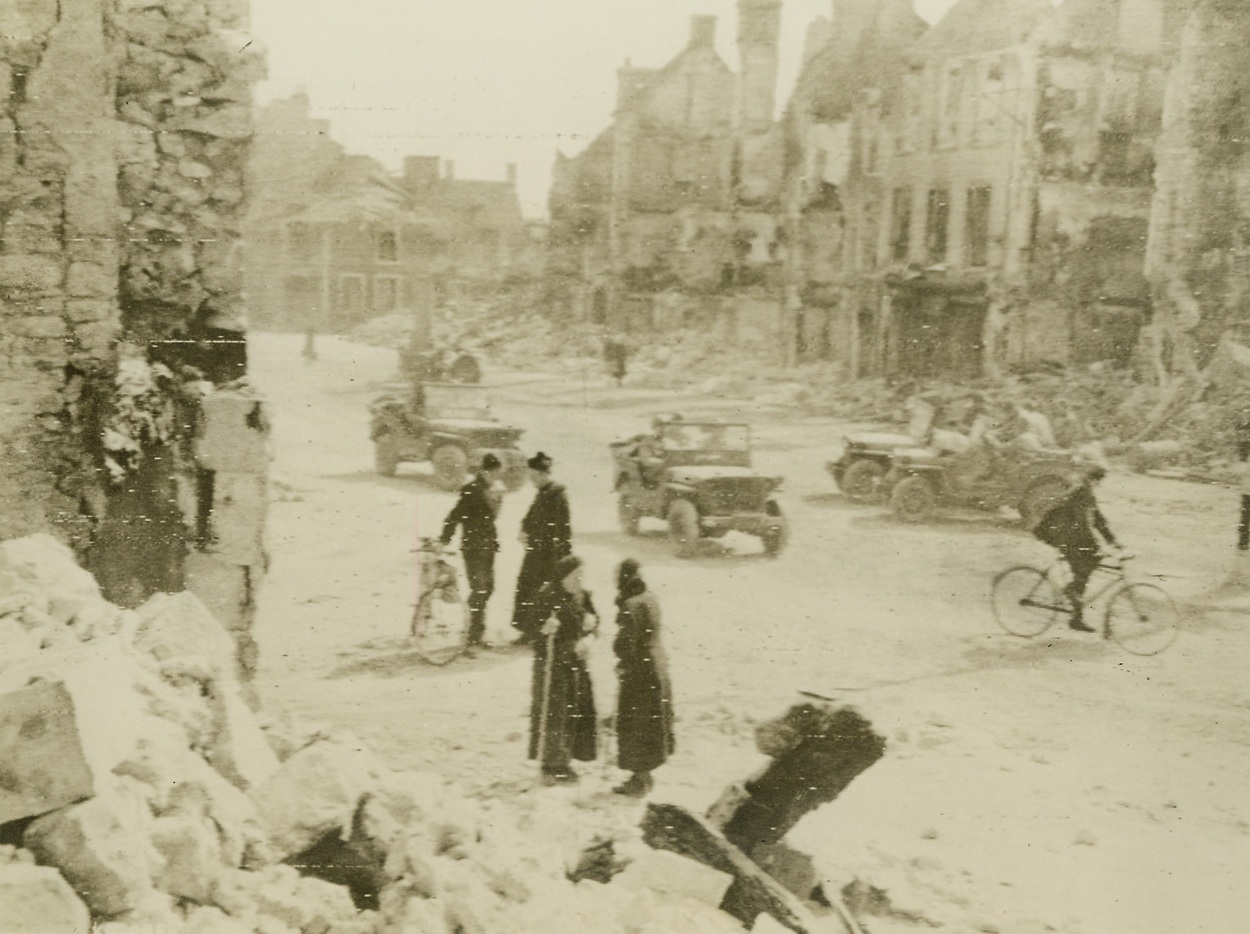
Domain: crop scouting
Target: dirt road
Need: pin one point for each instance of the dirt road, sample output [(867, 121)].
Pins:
[(1052, 785)]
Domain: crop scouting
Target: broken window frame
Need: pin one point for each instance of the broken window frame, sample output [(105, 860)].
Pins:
[(345, 299), (952, 97), (937, 225), (870, 224), (303, 242), (900, 225), (384, 285), (386, 242), (979, 200)]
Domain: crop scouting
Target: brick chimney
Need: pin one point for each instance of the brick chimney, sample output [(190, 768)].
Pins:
[(420, 172), (759, 30), (449, 170), (853, 18), (702, 31), (510, 173)]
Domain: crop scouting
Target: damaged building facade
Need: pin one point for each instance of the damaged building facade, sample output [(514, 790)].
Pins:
[(668, 217), (983, 199), (956, 199), (126, 430), (336, 238), (1198, 258)]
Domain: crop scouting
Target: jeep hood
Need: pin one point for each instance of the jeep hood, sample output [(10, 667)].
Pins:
[(880, 439), (465, 424), (697, 474)]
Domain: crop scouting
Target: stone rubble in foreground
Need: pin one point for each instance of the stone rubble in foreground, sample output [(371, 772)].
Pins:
[(139, 792)]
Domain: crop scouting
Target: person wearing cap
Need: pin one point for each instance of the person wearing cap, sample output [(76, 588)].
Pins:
[(547, 537), (1069, 526), (474, 512), (562, 701), (644, 707)]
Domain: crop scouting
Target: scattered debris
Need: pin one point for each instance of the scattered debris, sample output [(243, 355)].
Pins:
[(139, 792)]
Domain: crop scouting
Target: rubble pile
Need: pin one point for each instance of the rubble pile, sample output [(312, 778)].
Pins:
[(1134, 421), (139, 792)]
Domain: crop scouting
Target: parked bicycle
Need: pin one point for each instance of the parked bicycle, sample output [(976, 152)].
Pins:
[(440, 622), (1139, 617)]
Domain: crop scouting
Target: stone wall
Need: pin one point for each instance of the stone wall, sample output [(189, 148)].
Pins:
[(124, 129)]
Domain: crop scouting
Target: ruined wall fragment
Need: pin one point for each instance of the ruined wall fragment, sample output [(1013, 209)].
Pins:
[(124, 128)]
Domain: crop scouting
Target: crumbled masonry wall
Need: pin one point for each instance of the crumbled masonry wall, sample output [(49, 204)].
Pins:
[(1199, 242), (124, 129), (179, 810)]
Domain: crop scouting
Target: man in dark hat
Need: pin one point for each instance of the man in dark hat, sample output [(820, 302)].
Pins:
[(547, 537), (475, 512)]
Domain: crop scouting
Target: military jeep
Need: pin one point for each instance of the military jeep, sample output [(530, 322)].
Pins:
[(697, 477), (982, 477), (451, 426)]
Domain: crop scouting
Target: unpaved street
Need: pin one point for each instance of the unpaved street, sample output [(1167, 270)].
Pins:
[(1053, 785)]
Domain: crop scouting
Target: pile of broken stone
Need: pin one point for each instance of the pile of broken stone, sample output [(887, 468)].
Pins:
[(141, 792)]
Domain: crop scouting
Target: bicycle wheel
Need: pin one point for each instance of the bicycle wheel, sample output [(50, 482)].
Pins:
[(1142, 619), (440, 625), (1025, 601)]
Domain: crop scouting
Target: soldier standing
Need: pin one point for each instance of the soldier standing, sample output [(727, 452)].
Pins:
[(547, 537), (475, 513)]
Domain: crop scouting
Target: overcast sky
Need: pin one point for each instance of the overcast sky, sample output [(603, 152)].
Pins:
[(487, 82)]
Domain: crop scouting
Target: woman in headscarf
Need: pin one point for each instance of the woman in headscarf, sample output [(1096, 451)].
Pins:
[(644, 709), (562, 705)]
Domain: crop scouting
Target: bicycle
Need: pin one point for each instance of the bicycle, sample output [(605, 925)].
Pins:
[(440, 621), (1139, 617)]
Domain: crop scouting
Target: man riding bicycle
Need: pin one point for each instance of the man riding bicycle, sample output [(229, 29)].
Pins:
[(1069, 526)]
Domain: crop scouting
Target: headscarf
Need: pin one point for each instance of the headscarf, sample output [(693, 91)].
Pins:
[(629, 582)]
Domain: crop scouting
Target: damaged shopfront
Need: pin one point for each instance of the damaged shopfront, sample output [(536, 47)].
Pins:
[(935, 325)]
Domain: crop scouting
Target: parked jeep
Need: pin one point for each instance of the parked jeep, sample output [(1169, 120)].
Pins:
[(697, 477), (865, 457), (451, 426), (985, 476)]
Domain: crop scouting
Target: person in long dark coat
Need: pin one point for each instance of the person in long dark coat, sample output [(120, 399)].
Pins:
[(644, 708), (547, 536), (562, 701)]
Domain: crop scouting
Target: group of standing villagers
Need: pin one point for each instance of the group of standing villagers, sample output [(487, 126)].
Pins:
[(555, 614)]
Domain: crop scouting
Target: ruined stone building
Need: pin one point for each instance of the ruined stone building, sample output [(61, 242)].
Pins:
[(983, 200), (336, 238), (124, 128), (1199, 251), (669, 215)]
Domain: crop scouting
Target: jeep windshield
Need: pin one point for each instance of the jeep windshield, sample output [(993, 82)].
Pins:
[(456, 402), (690, 437)]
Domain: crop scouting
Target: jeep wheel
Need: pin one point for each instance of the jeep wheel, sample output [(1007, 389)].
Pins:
[(861, 482), (913, 499), (385, 456), (683, 528), (627, 513), (775, 540), (465, 369), (450, 464), (1039, 497)]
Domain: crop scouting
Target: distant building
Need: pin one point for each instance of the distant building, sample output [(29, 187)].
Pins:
[(979, 198), (334, 239), (672, 207)]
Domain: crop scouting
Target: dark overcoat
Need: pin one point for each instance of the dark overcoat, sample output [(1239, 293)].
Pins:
[(561, 686), (644, 709), (1067, 525), (474, 512), (548, 538)]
